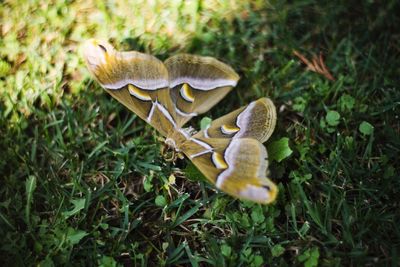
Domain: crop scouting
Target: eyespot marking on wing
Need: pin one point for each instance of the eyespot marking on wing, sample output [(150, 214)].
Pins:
[(103, 48), (139, 94), (186, 93), (218, 161), (226, 129)]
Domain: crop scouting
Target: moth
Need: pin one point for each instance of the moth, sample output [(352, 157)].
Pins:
[(168, 94)]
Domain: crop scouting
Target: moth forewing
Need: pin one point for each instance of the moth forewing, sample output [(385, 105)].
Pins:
[(198, 83), (186, 85), (139, 81), (114, 69), (203, 73)]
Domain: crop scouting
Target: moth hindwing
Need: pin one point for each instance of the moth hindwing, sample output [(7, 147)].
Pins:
[(256, 120), (231, 155)]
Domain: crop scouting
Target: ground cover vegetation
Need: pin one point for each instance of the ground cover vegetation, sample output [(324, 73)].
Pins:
[(82, 179)]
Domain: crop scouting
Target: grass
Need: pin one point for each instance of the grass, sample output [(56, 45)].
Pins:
[(82, 180)]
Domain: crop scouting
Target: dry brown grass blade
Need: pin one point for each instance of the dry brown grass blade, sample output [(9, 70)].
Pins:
[(317, 65)]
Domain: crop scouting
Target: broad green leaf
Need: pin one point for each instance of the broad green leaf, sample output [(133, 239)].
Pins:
[(226, 250), (279, 150), (277, 250), (299, 104), (79, 204), (304, 256), (346, 102), (366, 128), (309, 257), (160, 201), (205, 122), (75, 236), (312, 261), (107, 261), (257, 215), (332, 118), (258, 261)]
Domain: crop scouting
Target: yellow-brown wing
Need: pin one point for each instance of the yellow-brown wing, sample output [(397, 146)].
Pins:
[(183, 87), (256, 120), (236, 166), (197, 83), (139, 81)]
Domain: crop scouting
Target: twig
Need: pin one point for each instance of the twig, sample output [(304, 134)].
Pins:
[(317, 65)]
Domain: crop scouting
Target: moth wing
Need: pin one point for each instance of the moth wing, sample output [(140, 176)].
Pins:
[(197, 83), (139, 81), (256, 120), (236, 166)]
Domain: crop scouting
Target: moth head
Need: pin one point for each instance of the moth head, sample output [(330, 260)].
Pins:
[(169, 150), (100, 59)]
